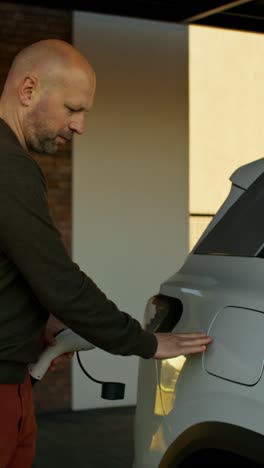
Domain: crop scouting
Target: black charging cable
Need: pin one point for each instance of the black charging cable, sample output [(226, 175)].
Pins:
[(110, 390)]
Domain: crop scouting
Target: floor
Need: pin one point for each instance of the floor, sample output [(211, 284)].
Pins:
[(86, 439), (103, 438)]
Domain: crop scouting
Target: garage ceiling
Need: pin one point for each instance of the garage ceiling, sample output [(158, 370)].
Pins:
[(245, 15)]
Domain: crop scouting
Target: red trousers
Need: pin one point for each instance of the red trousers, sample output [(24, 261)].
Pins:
[(17, 425)]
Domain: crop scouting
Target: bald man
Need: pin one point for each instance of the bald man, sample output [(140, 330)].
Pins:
[(48, 90)]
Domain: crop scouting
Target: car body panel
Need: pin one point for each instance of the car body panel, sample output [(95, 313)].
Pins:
[(216, 398)]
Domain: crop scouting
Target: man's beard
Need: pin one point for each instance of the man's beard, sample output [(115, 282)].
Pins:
[(43, 145), (40, 138)]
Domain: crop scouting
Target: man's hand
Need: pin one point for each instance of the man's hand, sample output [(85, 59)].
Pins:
[(175, 344), (50, 340)]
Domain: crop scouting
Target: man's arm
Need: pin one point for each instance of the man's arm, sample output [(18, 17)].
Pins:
[(31, 241)]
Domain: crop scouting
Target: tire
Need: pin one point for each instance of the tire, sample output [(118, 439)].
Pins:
[(211, 457)]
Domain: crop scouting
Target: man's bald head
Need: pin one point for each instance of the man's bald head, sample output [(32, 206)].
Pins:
[(49, 86), (50, 60)]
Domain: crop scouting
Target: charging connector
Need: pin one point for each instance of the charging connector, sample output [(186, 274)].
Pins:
[(69, 341)]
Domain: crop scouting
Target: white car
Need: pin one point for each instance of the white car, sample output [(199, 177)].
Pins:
[(208, 408)]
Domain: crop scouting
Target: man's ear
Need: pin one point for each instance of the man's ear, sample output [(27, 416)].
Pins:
[(27, 90)]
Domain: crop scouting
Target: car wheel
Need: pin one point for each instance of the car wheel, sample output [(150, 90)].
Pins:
[(209, 457)]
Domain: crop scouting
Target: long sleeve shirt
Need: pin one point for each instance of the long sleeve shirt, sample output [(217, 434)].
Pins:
[(37, 275)]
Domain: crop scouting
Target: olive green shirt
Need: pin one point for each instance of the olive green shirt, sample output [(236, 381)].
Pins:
[(38, 277)]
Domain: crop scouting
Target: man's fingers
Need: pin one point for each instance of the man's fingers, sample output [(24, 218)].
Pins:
[(190, 335), (190, 339), (193, 349), (197, 345), (62, 358), (195, 341)]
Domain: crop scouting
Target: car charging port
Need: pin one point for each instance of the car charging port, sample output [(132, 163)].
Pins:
[(162, 313)]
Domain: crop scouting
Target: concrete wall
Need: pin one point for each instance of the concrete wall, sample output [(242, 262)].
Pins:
[(130, 175)]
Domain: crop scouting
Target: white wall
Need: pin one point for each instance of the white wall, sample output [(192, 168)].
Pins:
[(130, 176)]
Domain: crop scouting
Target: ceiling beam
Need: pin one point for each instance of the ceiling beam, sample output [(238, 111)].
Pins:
[(214, 11)]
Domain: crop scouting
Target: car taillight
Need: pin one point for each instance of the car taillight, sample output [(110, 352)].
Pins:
[(162, 313)]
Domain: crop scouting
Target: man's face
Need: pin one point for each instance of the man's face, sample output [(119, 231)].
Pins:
[(57, 115)]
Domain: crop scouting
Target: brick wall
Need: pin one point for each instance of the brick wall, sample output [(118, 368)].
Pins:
[(20, 25)]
